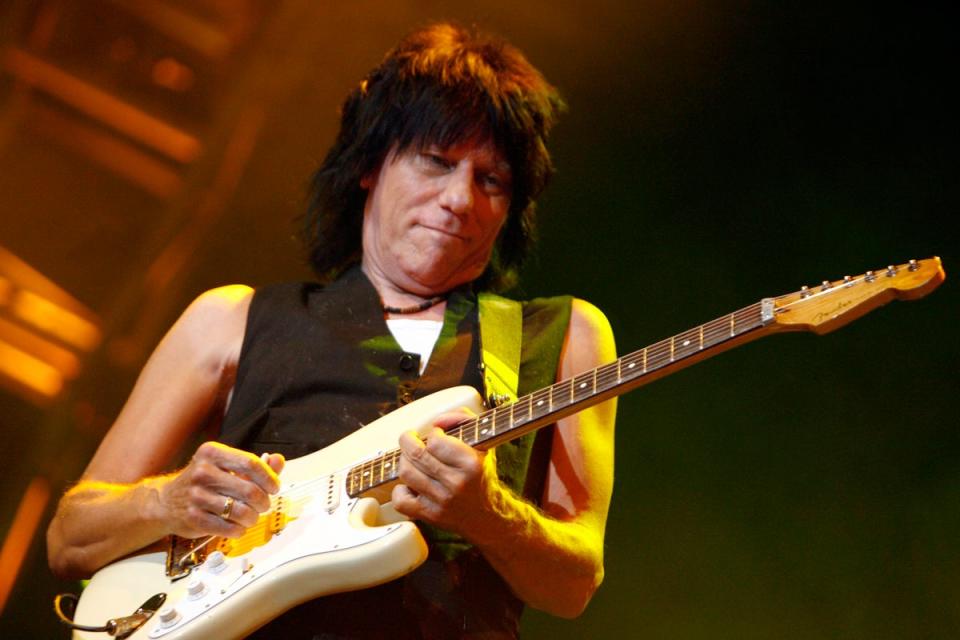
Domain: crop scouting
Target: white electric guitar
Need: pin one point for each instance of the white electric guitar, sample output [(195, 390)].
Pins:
[(329, 528)]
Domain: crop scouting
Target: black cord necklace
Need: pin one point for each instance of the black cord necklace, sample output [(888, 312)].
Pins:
[(416, 308)]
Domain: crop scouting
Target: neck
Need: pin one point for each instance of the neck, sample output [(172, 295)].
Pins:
[(400, 303)]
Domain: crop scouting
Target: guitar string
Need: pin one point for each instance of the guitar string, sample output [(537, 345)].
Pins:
[(603, 378), (705, 336), (713, 333)]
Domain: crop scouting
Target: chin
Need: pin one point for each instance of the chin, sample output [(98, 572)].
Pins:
[(435, 284)]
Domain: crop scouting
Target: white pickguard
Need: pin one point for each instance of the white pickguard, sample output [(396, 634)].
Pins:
[(332, 543)]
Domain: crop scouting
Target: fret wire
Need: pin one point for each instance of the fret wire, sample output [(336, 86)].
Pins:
[(541, 403)]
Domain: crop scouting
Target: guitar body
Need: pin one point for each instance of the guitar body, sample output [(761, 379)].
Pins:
[(318, 540)]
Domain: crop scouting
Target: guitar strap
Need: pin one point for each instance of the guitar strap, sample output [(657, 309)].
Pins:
[(501, 332)]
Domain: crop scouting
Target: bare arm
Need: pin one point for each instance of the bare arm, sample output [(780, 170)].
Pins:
[(121, 504), (552, 558)]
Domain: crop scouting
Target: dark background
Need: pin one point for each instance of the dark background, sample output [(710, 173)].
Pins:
[(713, 154)]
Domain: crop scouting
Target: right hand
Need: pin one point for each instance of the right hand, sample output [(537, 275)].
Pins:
[(193, 500)]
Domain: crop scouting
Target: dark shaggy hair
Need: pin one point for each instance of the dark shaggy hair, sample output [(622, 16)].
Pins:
[(442, 85)]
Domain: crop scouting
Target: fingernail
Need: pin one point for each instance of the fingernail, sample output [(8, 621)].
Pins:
[(265, 456)]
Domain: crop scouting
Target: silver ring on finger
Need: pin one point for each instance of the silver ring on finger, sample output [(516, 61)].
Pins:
[(227, 508)]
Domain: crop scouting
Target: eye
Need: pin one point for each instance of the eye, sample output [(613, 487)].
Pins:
[(495, 183), (435, 160)]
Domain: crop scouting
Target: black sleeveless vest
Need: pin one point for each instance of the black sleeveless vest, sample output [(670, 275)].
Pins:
[(317, 363)]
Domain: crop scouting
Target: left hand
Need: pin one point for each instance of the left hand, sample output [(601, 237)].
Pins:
[(446, 482)]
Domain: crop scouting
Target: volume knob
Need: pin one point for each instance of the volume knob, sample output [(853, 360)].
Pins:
[(168, 617), (216, 562), (196, 589)]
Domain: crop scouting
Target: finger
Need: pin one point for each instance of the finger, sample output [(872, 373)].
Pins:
[(416, 453), (237, 511), (212, 478), (453, 418), (242, 463), (442, 457), (412, 504), (275, 461), (451, 451), (204, 516), (419, 470)]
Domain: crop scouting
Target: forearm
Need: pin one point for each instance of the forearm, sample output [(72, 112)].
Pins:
[(98, 522), (552, 565)]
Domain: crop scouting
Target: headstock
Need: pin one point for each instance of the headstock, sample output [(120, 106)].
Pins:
[(832, 304)]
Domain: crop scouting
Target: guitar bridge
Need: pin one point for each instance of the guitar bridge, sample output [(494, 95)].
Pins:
[(183, 555)]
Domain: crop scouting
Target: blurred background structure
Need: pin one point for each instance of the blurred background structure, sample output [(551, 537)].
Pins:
[(713, 154)]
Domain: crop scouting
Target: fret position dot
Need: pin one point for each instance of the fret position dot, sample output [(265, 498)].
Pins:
[(484, 431), (686, 343), (484, 421), (631, 365), (583, 385), (540, 403)]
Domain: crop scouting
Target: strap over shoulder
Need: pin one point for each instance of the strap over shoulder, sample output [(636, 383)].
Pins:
[(501, 331)]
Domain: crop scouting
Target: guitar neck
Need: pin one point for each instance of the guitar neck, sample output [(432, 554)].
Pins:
[(547, 405), (821, 309)]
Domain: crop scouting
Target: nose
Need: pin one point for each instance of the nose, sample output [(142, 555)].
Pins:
[(457, 194)]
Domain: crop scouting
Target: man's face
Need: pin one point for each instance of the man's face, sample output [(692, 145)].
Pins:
[(431, 217)]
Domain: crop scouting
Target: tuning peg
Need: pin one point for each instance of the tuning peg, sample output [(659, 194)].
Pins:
[(848, 280), (891, 271), (913, 265), (825, 285), (870, 276), (805, 291)]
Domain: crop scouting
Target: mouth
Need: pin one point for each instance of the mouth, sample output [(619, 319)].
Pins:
[(444, 232)]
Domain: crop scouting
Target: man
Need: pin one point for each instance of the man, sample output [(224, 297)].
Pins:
[(425, 198)]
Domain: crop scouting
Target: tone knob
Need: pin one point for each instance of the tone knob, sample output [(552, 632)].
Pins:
[(196, 589), (216, 562), (168, 617)]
